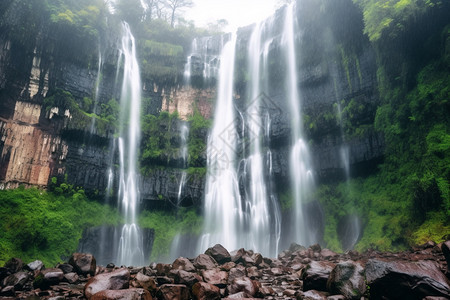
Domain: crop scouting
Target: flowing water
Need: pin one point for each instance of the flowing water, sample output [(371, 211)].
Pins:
[(302, 180), (130, 250), (223, 203)]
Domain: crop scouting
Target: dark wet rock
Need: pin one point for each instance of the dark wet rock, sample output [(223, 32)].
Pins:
[(187, 278), (173, 291), (205, 291), (204, 262), (216, 276), (17, 280), (71, 277), (446, 251), (8, 291), (115, 280), (163, 269), (182, 263), (315, 275), (337, 297), (145, 282), (130, 294), (14, 265), (4, 272), (243, 284), (312, 295), (237, 272), (48, 277), (36, 265), (406, 280), (83, 263), (164, 280), (219, 253), (66, 268), (347, 279)]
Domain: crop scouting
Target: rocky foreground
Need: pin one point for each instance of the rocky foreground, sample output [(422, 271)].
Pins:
[(298, 273)]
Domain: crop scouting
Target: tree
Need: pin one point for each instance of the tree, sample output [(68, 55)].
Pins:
[(174, 5)]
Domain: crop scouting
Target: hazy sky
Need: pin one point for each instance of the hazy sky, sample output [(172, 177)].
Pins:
[(237, 12)]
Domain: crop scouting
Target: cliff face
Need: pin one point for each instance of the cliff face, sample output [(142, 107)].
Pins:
[(337, 80)]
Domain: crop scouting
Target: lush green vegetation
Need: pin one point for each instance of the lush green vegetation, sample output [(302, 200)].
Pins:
[(407, 201), (43, 225), (82, 115)]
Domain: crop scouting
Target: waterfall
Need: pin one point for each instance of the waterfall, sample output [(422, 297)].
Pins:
[(351, 224), (97, 89), (130, 250), (302, 181), (261, 215), (223, 203)]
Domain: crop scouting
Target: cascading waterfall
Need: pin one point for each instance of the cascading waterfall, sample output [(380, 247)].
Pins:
[(223, 203), (352, 224), (258, 203), (130, 250), (184, 133), (300, 168), (97, 88)]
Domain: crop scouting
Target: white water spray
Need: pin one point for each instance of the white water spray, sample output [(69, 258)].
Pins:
[(130, 250), (302, 181), (223, 204)]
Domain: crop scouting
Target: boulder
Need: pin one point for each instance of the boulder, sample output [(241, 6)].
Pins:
[(312, 295), (71, 277), (187, 278), (406, 280), (51, 276), (315, 275), (163, 269), (215, 276), (243, 284), (145, 282), (446, 251), (204, 262), (129, 294), (173, 292), (236, 273), (115, 280), (16, 280), (347, 279), (36, 265), (182, 263), (219, 253), (14, 265), (240, 295), (66, 268), (205, 291), (8, 291), (83, 263)]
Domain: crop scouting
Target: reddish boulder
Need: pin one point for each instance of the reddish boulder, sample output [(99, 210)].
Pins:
[(205, 291), (115, 280), (243, 284), (219, 253), (182, 263), (204, 262), (83, 263), (216, 277), (315, 275), (173, 292), (129, 294), (187, 278), (347, 279), (405, 280)]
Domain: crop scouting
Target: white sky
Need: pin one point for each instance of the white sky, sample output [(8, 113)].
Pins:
[(238, 13)]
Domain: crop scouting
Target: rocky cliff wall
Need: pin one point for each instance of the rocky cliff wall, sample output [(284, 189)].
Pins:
[(337, 69)]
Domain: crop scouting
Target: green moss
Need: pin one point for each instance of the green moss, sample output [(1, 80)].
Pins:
[(47, 225)]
